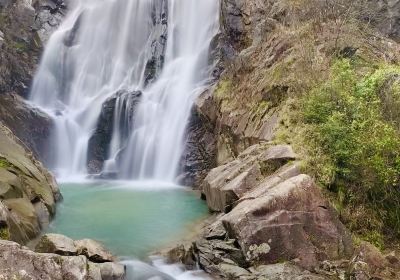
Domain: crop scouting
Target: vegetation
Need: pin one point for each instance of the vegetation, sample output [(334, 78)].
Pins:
[(348, 128)]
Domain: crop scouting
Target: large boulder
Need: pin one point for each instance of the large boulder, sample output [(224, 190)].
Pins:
[(99, 143), (19, 262), (290, 221), (28, 191)]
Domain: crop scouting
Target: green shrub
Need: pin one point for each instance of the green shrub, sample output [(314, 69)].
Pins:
[(353, 120)]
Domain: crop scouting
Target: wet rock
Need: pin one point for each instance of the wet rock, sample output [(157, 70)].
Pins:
[(200, 151), (100, 141), (49, 15), (112, 271), (57, 244), (159, 42), (94, 251), (182, 254)]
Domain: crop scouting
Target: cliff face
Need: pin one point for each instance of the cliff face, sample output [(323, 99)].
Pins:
[(28, 191), (24, 27), (273, 59)]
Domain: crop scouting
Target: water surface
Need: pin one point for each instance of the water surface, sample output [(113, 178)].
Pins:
[(131, 219)]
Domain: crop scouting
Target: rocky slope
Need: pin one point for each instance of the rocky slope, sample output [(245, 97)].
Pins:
[(25, 26), (277, 222), (28, 191)]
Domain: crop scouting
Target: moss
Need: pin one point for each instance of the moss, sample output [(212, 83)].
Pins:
[(4, 233), (4, 163), (375, 238), (20, 47), (223, 89)]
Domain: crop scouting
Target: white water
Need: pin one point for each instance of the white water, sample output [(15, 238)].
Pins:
[(113, 41)]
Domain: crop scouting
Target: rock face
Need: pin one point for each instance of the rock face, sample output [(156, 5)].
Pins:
[(31, 125), (159, 41), (22, 25), (272, 214), (49, 14), (290, 221), (28, 191), (201, 145), (117, 114), (228, 183), (19, 262)]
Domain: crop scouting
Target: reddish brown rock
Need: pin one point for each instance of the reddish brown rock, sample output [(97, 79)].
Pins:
[(289, 222)]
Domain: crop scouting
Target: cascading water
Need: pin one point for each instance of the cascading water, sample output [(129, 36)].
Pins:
[(149, 58)]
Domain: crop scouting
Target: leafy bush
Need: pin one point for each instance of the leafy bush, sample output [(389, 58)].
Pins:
[(353, 120)]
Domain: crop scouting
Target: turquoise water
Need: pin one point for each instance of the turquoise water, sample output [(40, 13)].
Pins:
[(131, 219)]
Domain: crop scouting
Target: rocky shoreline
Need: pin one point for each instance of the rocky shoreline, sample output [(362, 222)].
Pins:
[(275, 224)]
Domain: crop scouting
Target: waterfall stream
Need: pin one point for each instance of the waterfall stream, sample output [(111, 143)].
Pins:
[(119, 78)]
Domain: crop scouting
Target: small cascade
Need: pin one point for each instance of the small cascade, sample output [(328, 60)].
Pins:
[(119, 78)]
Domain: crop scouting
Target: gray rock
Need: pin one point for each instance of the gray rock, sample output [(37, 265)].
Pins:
[(94, 251), (227, 184), (282, 271), (17, 262), (57, 244), (20, 263), (30, 124), (200, 151), (1, 38)]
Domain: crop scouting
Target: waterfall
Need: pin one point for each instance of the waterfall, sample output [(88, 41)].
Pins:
[(119, 78)]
